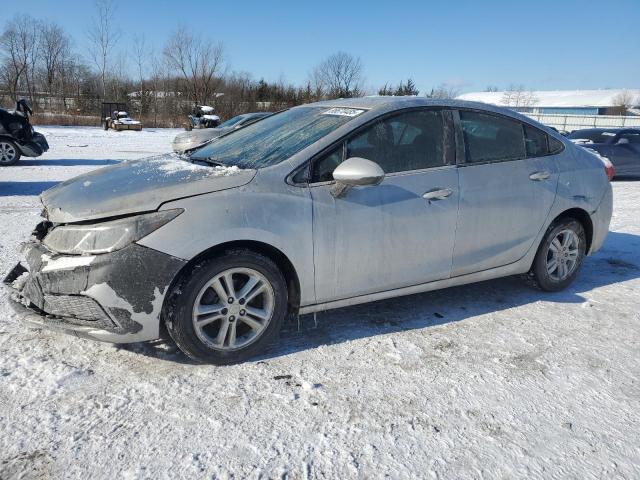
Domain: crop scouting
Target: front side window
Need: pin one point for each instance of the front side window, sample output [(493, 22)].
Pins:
[(490, 138), (324, 166), (275, 138), (408, 141)]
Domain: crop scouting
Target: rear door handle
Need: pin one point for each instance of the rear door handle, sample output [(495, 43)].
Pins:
[(538, 176), (437, 194)]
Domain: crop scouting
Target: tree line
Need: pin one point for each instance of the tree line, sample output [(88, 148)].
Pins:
[(41, 62)]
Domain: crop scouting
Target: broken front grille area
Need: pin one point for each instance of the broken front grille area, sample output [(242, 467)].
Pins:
[(77, 306), (70, 308)]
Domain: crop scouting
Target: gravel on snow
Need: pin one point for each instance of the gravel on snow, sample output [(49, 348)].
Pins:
[(491, 380)]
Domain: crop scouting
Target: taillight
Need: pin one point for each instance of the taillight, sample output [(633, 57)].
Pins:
[(608, 168)]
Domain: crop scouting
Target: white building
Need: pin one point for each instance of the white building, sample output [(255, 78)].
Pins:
[(563, 102)]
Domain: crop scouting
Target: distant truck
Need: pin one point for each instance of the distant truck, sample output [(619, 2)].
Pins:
[(115, 116)]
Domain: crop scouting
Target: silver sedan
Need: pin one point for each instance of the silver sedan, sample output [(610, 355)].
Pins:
[(317, 207)]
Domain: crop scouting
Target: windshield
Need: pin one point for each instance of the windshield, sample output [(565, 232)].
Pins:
[(231, 121), (276, 138)]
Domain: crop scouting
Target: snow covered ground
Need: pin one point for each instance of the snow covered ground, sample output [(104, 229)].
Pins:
[(491, 380)]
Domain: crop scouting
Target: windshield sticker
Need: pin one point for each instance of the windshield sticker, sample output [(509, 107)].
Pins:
[(609, 134), (343, 112)]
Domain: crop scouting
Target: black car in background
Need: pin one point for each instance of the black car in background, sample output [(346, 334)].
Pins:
[(620, 145), (17, 136)]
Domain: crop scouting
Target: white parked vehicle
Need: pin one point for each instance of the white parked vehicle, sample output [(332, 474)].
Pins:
[(121, 121)]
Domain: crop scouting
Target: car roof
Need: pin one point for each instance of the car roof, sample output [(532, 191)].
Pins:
[(376, 101), (392, 103)]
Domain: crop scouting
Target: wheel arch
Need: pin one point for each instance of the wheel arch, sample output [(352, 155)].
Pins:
[(584, 218), (10, 139), (273, 253)]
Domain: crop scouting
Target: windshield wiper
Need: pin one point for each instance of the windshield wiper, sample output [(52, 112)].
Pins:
[(208, 161)]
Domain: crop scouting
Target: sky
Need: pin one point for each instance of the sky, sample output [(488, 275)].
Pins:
[(540, 44)]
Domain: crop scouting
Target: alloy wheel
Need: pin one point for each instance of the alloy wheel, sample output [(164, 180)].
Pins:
[(233, 309), (563, 255), (7, 152)]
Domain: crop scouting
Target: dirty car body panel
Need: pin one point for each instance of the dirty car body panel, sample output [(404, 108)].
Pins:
[(417, 230)]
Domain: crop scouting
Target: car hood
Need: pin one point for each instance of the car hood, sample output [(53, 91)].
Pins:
[(190, 140), (136, 186)]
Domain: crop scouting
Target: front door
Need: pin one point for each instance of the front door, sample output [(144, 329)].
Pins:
[(388, 236)]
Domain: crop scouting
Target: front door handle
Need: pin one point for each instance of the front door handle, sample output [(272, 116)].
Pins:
[(538, 176), (437, 194)]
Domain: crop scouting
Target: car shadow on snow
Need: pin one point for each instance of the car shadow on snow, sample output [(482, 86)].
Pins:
[(11, 189), (66, 162), (618, 261)]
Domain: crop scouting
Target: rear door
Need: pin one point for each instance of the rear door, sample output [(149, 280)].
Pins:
[(507, 186), (387, 236)]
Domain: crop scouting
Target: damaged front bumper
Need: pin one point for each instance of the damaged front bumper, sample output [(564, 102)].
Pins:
[(114, 297)]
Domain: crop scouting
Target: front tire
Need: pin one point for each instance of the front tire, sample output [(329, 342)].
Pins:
[(228, 309), (9, 153), (560, 255)]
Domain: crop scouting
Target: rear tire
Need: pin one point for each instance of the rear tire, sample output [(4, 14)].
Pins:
[(212, 329), (560, 255), (9, 153)]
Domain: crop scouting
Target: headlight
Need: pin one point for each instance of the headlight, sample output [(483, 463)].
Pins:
[(106, 236)]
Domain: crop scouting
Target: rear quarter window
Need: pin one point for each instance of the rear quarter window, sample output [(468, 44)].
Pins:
[(536, 142), (555, 145)]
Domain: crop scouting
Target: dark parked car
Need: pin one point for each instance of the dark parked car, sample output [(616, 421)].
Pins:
[(17, 136), (620, 145)]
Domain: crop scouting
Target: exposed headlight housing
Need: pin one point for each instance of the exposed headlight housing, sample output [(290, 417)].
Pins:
[(108, 236)]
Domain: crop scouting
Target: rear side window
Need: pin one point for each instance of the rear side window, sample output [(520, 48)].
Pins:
[(490, 138), (535, 142)]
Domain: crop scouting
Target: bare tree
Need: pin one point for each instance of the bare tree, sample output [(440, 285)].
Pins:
[(199, 61), (18, 44), (518, 96), (491, 88), (53, 50), (625, 100), (444, 91), (158, 76), (140, 57), (339, 76), (103, 36)]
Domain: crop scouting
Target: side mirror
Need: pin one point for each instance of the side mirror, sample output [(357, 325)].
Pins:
[(355, 171)]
